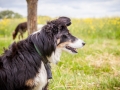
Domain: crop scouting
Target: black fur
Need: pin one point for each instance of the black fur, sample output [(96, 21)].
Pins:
[(66, 20), (21, 62)]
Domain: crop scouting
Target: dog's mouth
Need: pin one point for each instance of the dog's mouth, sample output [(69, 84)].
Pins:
[(74, 50)]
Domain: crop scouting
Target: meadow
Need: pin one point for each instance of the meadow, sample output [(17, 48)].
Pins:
[(97, 64)]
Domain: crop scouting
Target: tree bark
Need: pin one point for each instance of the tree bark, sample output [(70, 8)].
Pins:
[(32, 15)]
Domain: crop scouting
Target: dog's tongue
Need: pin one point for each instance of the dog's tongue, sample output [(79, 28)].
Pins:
[(72, 49)]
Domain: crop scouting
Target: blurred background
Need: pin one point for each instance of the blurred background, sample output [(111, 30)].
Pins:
[(70, 8), (97, 22)]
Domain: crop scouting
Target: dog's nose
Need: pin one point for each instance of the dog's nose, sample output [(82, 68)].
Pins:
[(83, 43)]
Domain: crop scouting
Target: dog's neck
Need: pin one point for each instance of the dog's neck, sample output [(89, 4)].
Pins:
[(55, 56), (46, 64)]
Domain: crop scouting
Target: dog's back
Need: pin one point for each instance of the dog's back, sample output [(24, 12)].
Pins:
[(15, 67)]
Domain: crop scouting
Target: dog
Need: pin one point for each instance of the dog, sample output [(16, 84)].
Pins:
[(25, 65), (21, 29)]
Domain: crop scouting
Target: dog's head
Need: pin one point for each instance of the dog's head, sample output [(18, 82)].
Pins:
[(55, 35), (64, 39)]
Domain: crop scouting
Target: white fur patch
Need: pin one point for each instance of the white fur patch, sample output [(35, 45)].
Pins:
[(55, 57), (78, 43), (39, 27), (41, 78)]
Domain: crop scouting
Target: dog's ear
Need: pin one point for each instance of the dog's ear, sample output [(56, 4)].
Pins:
[(65, 20), (51, 28)]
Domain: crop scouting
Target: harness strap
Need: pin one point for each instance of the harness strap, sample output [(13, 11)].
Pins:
[(37, 50), (46, 64)]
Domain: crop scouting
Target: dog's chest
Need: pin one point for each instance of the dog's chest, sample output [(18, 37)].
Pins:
[(41, 78), (55, 56)]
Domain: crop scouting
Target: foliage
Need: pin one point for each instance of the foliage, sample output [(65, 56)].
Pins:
[(95, 67), (43, 19), (9, 14), (98, 27), (7, 26)]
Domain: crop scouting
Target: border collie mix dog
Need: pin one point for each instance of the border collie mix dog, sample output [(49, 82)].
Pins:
[(25, 64), (21, 28)]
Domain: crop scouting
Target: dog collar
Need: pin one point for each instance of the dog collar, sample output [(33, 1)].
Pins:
[(47, 65), (37, 50)]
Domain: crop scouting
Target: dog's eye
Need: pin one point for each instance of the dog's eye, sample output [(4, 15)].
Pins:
[(62, 27), (64, 36)]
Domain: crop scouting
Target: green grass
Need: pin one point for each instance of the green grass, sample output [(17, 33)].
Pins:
[(96, 66), (93, 68)]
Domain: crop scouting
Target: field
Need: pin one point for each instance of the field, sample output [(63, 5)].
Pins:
[(95, 67)]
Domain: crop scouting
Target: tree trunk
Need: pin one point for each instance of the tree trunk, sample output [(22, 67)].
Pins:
[(32, 16)]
